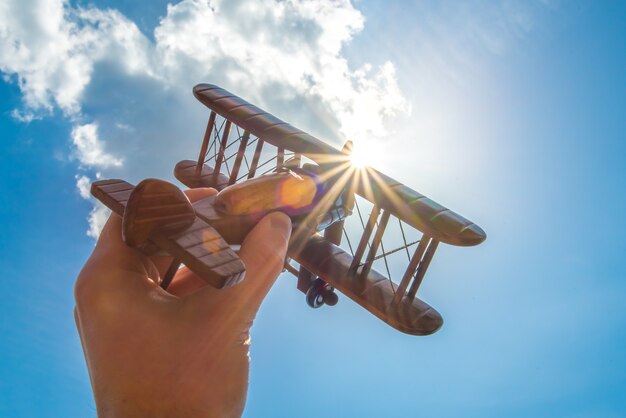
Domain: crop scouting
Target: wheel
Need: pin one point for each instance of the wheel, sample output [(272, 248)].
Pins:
[(320, 293), (314, 297), (330, 297)]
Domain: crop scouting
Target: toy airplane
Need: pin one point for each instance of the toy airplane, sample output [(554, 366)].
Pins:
[(259, 165)]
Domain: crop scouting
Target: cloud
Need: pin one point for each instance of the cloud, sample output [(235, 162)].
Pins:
[(89, 149), (97, 218), (38, 45), (99, 213), (83, 183), (24, 116), (52, 47), (128, 95), (283, 50)]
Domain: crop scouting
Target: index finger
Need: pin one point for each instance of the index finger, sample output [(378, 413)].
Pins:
[(114, 268)]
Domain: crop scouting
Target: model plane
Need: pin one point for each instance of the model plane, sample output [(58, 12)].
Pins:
[(260, 164)]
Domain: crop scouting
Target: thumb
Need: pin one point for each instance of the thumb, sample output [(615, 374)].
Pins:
[(263, 253)]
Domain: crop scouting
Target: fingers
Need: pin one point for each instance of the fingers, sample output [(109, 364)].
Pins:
[(113, 270), (186, 282), (263, 253)]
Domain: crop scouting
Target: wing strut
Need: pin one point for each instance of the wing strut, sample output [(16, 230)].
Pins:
[(360, 250), (223, 143), (280, 157), (411, 268), (240, 154), (416, 269), (169, 274), (255, 159), (205, 143), (378, 236), (294, 162), (421, 270)]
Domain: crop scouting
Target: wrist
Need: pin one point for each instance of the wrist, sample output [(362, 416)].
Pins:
[(133, 409)]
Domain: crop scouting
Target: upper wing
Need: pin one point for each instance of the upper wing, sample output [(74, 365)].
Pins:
[(263, 124), (200, 247), (408, 205), (418, 210)]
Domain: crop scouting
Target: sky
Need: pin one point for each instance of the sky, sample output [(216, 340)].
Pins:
[(511, 113)]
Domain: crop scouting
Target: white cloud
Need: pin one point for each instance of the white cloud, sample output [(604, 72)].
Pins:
[(89, 149), (24, 116), (52, 47), (37, 43), (83, 184), (292, 44), (95, 65), (99, 213), (97, 218)]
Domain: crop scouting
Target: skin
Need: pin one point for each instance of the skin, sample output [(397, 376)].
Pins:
[(183, 352)]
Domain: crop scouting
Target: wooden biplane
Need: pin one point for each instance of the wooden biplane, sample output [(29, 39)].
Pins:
[(259, 163)]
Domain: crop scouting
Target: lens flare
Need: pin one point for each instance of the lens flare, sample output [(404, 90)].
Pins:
[(363, 154)]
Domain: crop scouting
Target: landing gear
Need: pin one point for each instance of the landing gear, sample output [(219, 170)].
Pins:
[(321, 293)]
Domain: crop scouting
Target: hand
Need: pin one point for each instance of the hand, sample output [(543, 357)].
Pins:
[(183, 352)]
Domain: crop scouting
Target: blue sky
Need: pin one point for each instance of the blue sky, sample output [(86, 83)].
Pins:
[(512, 113)]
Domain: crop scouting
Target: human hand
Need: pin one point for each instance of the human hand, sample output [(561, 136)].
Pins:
[(183, 352)]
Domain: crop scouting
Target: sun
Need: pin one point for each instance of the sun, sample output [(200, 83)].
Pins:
[(363, 154)]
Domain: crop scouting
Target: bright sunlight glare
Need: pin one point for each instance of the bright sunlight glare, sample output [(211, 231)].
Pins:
[(364, 154)]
